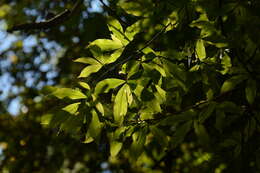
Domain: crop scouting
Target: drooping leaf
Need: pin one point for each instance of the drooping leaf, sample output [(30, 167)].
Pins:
[(68, 92), (105, 85), (121, 104), (226, 63), (200, 50), (94, 129)]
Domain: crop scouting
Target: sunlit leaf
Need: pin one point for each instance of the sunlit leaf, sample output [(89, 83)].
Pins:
[(87, 61), (105, 85), (231, 83), (115, 147), (107, 45), (89, 70), (72, 108), (120, 104), (200, 50), (84, 85), (68, 92)]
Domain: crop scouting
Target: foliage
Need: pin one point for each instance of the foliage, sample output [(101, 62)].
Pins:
[(169, 87)]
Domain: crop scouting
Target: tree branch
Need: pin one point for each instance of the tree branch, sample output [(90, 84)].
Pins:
[(56, 20)]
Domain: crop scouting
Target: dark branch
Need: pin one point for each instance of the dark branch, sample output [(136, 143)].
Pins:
[(56, 20)]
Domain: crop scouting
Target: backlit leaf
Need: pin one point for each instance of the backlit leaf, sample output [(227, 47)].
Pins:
[(72, 108), (89, 70), (200, 50), (120, 104), (105, 85), (231, 83), (68, 92)]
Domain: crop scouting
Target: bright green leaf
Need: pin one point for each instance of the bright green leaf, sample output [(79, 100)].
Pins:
[(68, 92), (107, 45), (115, 147), (89, 70), (105, 85), (120, 104), (200, 50), (84, 85), (87, 61), (72, 108)]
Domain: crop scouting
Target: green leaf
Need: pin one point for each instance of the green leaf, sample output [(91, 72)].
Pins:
[(46, 119), (200, 50), (159, 135), (87, 61), (180, 133), (231, 83), (226, 63), (89, 70), (206, 113), (129, 95), (161, 96), (68, 92), (250, 91), (84, 85), (113, 57), (120, 104), (115, 147), (107, 45), (139, 138), (94, 129), (72, 108), (201, 133), (105, 85)]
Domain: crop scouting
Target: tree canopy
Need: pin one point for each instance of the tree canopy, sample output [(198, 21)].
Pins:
[(129, 86)]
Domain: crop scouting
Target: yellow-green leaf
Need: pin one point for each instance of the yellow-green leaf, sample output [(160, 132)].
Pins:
[(72, 108), (91, 61), (120, 104), (115, 147), (89, 70), (68, 92), (107, 45), (200, 50), (84, 85), (105, 85), (230, 84)]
